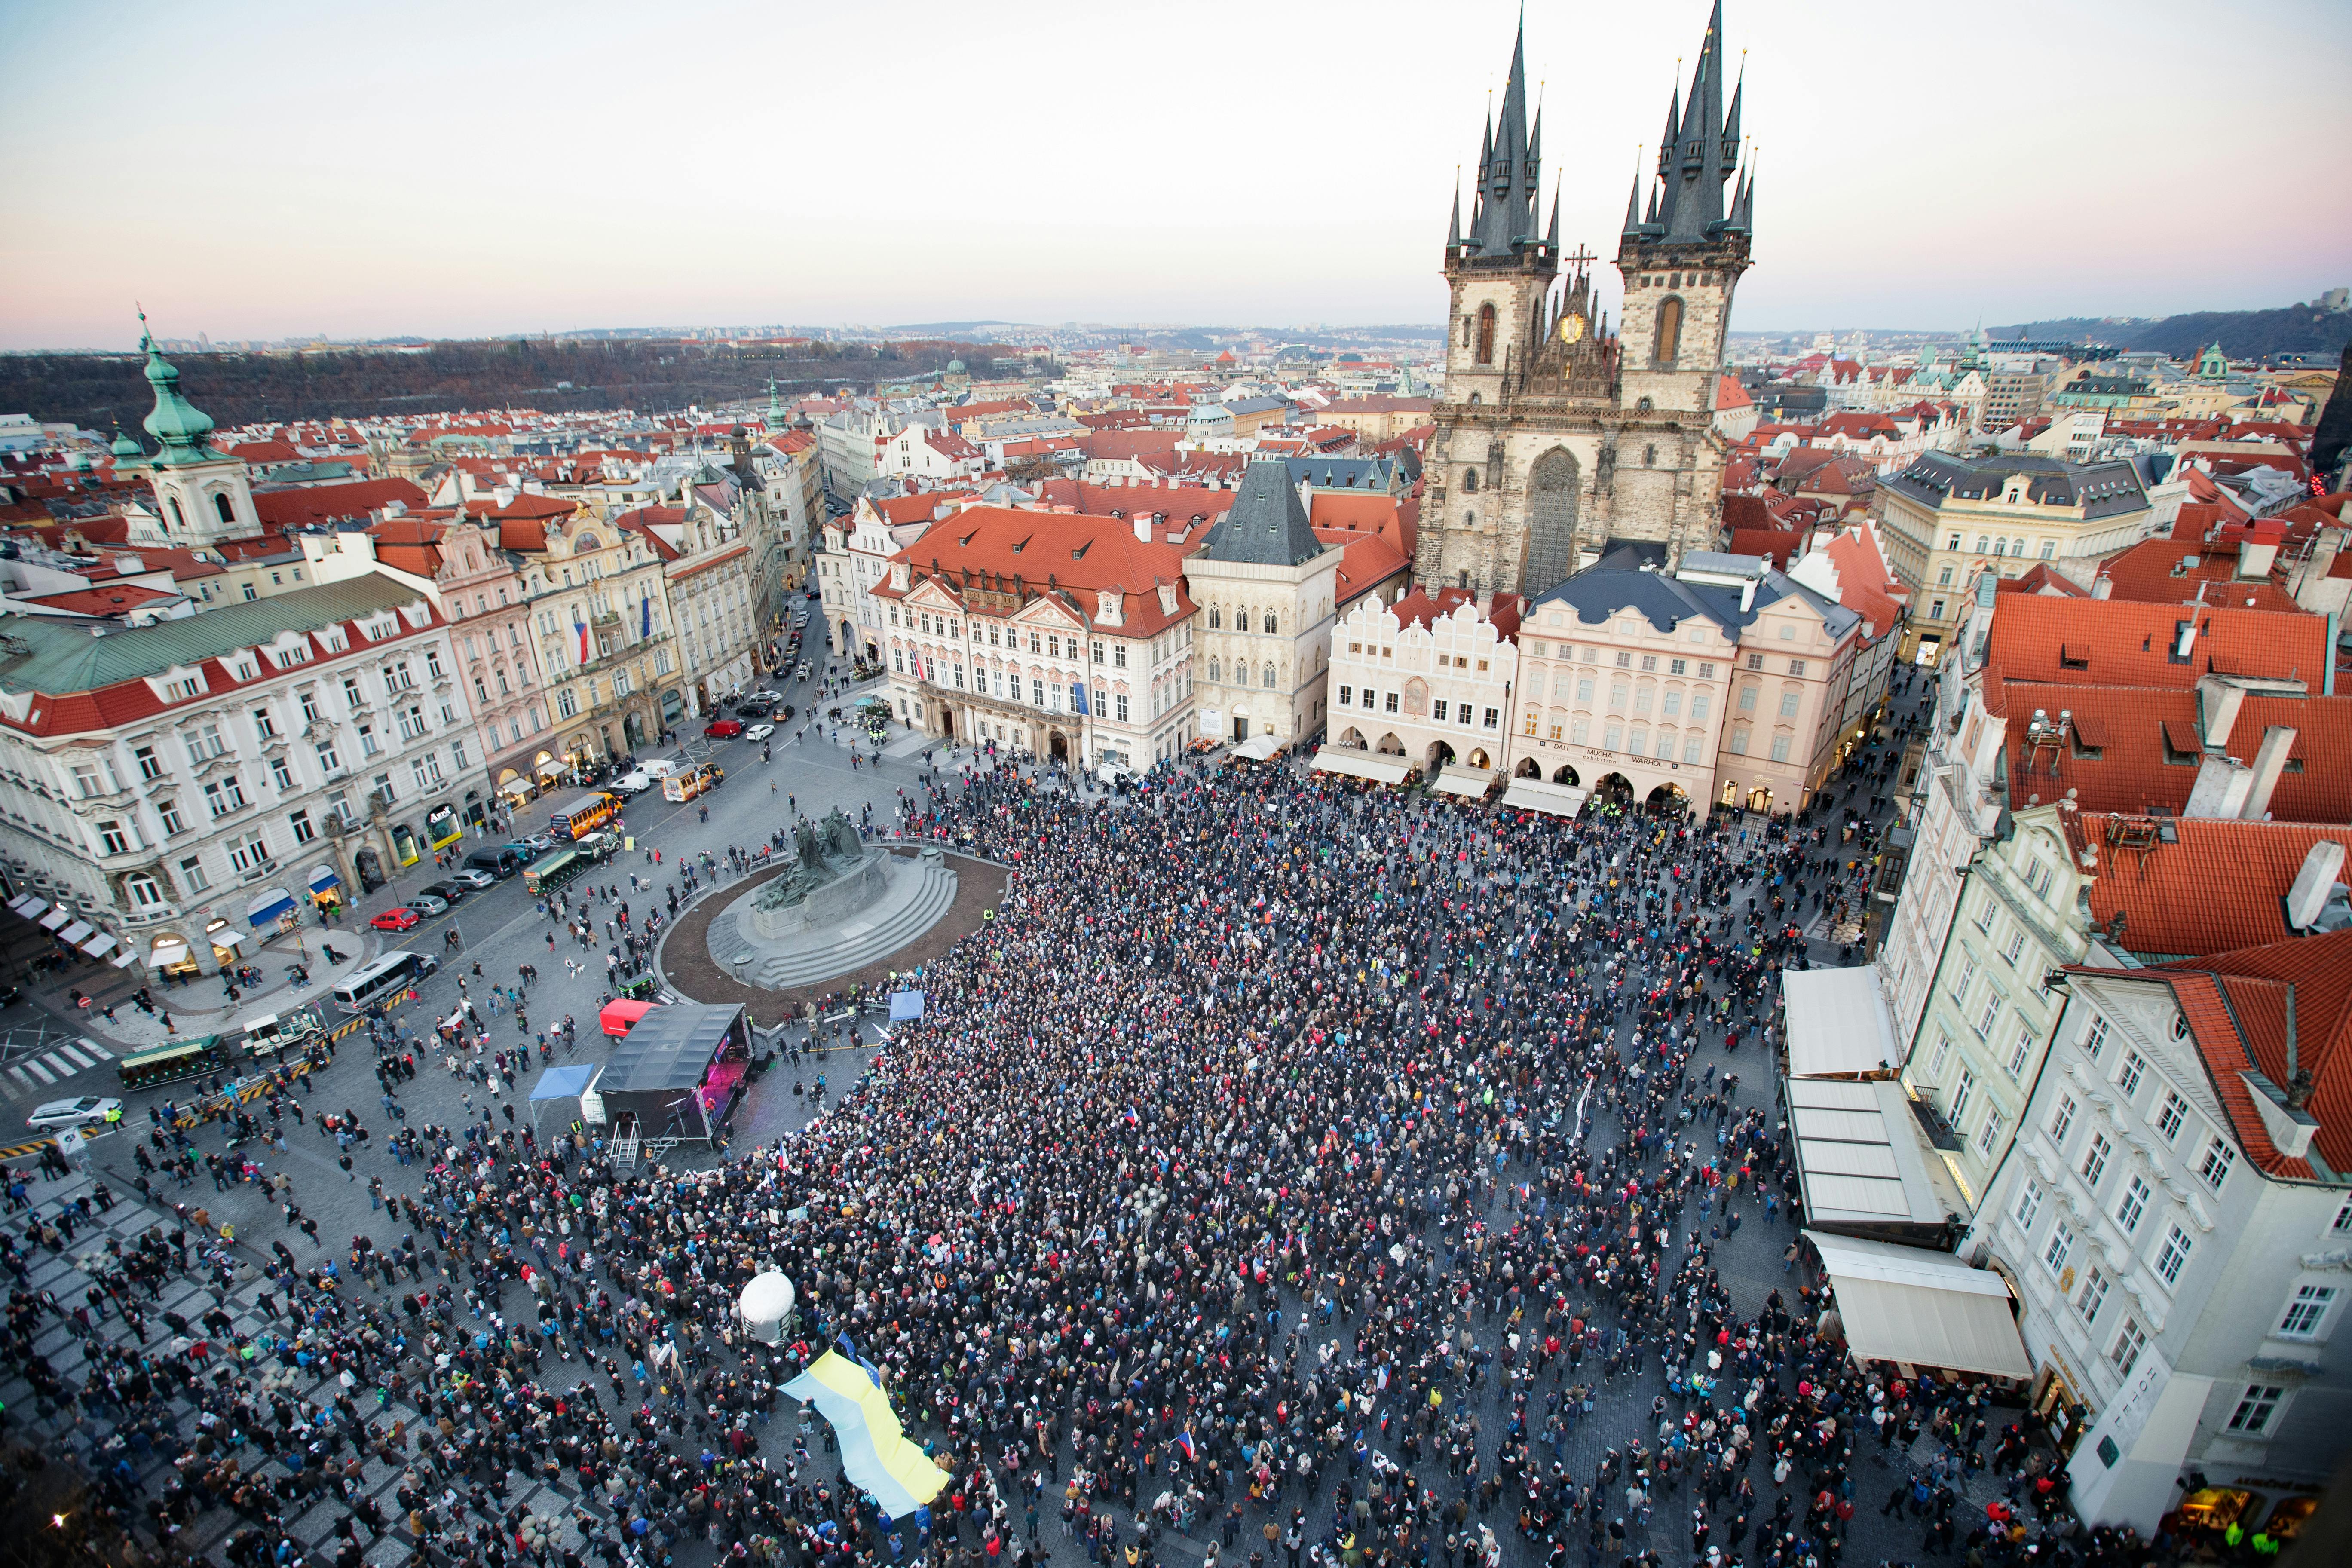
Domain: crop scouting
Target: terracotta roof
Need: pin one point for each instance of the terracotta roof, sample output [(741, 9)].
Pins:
[(1048, 551), (2221, 884), (1371, 560), (2132, 644), (2153, 571), (1419, 607), (115, 601), (1730, 393), (325, 504), (2255, 1028)]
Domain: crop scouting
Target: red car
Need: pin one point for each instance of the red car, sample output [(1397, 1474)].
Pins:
[(722, 728), (396, 919)]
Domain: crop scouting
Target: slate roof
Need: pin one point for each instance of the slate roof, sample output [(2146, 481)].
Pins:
[(2102, 490), (1616, 581), (1266, 525), (1341, 473)]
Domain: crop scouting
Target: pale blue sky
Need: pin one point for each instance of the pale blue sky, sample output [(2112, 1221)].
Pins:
[(254, 170)]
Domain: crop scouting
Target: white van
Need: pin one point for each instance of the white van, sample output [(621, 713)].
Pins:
[(663, 767), (273, 1031), (386, 977)]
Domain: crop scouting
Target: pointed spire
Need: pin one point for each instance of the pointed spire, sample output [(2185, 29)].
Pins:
[(1731, 123), (1552, 239), (1454, 215), (1634, 200), (1674, 123)]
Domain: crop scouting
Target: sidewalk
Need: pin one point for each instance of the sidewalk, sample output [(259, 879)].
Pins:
[(202, 1007)]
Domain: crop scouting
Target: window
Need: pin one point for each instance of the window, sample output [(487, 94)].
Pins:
[(192, 875), (1796, 667), (2094, 1159), (110, 834), (249, 856), (1943, 1054), (2125, 1352), (1346, 696), (1967, 1086), (169, 811), (2343, 1219), (1780, 748), (1989, 1014), (2092, 1296), (566, 705), (2305, 1311), (432, 662), (2020, 1051), (224, 795), (1967, 977), (2215, 1167), (2059, 1248), (2127, 1080), (2172, 1255), (327, 760), (2014, 948), (2094, 1039), (1747, 699), (2029, 1206), (149, 766), (1486, 344), (304, 829), (2255, 1408), (1667, 340), (310, 701), (144, 893), (263, 723), (2133, 1204), (2173, 1117), (1990, 1135)]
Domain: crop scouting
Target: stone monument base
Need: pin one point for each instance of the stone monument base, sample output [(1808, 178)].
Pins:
[(860, 917)]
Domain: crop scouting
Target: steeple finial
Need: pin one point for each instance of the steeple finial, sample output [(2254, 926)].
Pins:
[(1454, 216), (1553, 238), (1634, 200)]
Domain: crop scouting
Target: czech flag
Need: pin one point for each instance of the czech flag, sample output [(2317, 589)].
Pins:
[(1185, 1446), (580, 628)]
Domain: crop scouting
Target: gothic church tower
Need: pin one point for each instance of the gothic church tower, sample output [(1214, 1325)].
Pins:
[(1556, 435)]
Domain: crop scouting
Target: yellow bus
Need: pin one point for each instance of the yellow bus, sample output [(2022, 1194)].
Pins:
[(586, 815), (684, 786)]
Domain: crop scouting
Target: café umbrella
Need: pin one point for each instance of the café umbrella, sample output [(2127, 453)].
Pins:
[(874, 1453)]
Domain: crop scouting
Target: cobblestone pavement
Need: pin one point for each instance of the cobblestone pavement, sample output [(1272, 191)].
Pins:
[(503, 930)]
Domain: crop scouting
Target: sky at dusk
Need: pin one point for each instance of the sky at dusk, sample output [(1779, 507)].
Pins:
[(265, 171)]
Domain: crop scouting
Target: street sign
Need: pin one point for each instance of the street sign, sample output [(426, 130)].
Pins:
[(70, 1140)]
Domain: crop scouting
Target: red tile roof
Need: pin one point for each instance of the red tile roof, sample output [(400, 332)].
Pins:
[(2153, 571), (1049, 550), (311, 505), (2221, 886), (1419, 607), (2258, 1029), (2128, 644)]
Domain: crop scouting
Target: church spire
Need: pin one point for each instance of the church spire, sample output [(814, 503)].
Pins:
[(179, 425), (1453, 216), (1503, 218), (1704, 148)]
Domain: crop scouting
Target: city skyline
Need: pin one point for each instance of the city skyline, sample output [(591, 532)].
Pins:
[(986, 176)]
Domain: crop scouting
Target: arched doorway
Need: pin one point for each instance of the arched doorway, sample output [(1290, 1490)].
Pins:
[(848, 643), (1058, 747), (1390, 745), (1528, 768), (1614, 789), (1552, 520), (369, 866), (1351, 736), (1564, 775), (634, 727), (1667, 799), (1478, 758), (1759, 800), (1730, 795), (1440, 755)]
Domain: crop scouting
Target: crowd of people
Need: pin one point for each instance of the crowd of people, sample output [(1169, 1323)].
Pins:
[(1292, 1165)]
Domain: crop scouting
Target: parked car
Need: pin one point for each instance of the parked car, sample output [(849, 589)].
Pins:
[(758, 731), (764, 695), (498, 864), (635, 781), (87, 1111), (399, 919), (449, 890), (531, 846), (722, 728), (470, 876), (428, 904), (801, 673)]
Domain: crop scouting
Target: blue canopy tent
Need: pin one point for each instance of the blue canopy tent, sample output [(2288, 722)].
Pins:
[(906, 1006), (576, 1082)]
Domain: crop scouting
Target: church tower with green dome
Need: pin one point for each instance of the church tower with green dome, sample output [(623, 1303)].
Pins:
[(202, 494)]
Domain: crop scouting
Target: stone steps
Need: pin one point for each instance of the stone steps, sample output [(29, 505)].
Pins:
[(920, 896)]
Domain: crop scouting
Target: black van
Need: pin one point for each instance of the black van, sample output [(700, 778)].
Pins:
[(501, 863)]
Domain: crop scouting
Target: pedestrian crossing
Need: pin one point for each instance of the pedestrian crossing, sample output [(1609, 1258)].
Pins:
[(76, 1056)]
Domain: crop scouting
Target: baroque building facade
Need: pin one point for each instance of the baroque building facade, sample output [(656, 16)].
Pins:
[(1557, 435)]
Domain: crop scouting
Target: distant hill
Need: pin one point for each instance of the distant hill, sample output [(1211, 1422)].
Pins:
[(651, 375), (2243, 334)]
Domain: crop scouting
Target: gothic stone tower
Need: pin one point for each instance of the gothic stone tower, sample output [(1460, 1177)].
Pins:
[(1556, 434)]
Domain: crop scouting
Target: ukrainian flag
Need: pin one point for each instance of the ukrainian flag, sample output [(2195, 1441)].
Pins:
[(874, 1453)]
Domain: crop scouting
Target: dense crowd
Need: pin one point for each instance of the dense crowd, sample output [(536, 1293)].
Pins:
[(1290, 1164)]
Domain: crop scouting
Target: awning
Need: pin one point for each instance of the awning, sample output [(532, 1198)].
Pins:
[(1535, 794), (1455, 779), (549, 767), (323, 878), (56, 918), (568, 1082), (229, 939), (24, 903), (168, 950), (1861, 1157), (100, 945), (76, 931), (519, 788), (906, 1006), (126, 958), (1838, 1022), (1908, 1304), (1258, 748), (267, 907), (1378, 766)]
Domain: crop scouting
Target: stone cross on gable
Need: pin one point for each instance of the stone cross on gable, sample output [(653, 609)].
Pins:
[(1582, 255)]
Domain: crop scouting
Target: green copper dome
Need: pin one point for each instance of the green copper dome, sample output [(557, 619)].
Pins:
[(126, 445), (955, 367), (175, 421)]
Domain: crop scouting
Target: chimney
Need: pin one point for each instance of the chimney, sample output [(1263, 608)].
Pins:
[(2103, 587), (2220, 790), (2186, 640), (2268, 763), (2322, 864), (1748, 595), (1143, 526), (2218, 702), (2255, 560)]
